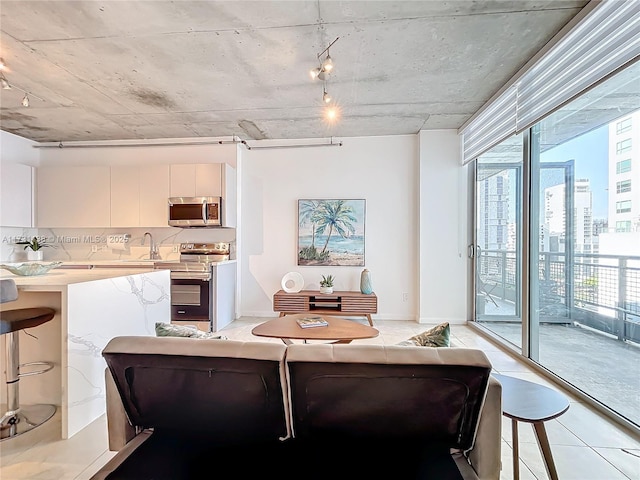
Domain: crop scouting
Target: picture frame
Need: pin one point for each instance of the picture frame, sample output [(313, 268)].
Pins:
[(331, 232)]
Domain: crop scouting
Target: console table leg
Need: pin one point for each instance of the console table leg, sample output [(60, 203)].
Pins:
[(516, 453), (368, 315), (545, 449)]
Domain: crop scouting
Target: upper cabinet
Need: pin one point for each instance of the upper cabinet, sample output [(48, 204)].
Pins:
[(139, 196), (119, 196), (73, 196), (16, 194), (197, 180)]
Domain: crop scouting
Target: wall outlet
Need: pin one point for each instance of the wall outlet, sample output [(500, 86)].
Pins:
[(94, 248), (175, 249), (405, 296)]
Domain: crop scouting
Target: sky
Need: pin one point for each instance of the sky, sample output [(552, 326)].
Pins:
[(591, 154)]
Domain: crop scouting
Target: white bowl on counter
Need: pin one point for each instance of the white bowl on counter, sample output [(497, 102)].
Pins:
[(30, 269)]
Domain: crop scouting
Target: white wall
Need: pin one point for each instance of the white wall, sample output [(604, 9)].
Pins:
[(444, 201), (381, 170)]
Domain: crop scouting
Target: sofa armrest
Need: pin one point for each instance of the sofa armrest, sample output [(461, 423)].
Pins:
[(120, 430), (485, 455)]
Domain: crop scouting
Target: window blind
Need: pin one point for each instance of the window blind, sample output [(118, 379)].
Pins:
[(602, 43), (605, 40)]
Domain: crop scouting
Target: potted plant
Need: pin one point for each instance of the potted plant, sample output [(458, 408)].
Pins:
[(326, 284), (34, 248)]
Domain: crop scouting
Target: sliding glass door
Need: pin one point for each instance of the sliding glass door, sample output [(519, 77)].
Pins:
[(578, 314), (498, 246)]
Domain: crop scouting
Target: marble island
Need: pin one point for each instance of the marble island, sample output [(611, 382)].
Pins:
[(93, 306)]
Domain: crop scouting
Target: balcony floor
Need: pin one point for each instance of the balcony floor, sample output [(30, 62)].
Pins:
[(594, 362)]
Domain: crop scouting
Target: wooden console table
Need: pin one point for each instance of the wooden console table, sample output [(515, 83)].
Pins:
[(341, 303)]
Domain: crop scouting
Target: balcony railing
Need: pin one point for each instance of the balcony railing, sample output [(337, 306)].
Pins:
[(599, 291)]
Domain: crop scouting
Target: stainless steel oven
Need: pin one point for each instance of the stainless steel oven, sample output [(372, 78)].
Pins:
[(190, 296), (192, 288)]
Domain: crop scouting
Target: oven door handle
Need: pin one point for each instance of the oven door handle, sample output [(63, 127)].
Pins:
[(206, 276)]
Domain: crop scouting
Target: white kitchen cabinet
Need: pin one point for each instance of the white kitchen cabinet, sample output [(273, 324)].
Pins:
[(73, 196), (139, 196), (125, 196), (182, 180), (16, 195), (154, 194), (229, 196), (196, 180)]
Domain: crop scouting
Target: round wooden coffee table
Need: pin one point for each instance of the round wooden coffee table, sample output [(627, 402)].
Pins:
[(524, 401), (339, 329)]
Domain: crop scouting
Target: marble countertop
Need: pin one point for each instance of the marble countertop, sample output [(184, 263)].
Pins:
[(158, 264), (58, 278)]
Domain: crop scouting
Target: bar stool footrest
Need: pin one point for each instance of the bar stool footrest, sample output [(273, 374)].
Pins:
[(48, 366)]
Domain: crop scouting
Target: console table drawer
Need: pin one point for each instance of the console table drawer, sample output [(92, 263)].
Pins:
[(345, 303), (290, 303), (368, 304)]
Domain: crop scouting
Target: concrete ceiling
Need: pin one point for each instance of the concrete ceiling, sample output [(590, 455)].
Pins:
[(110, 70)]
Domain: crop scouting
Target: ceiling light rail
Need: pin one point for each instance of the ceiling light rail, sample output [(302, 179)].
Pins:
[(300, 145), (125, 143)]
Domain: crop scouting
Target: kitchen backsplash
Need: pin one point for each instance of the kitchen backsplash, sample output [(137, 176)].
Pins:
[(70, 244)]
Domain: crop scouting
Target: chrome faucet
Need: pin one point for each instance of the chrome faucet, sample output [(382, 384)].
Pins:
[(153, 249)]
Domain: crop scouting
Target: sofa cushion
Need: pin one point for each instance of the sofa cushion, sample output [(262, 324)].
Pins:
[(387, 392), (171, 330), (438, 336), (222, 390)]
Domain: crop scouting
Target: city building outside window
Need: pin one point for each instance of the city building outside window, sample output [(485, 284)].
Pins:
[(623, 206), (623, 126), (623, 146), (623, 166), (623, 186)]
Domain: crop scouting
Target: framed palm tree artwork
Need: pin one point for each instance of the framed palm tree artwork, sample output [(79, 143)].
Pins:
[(331, 232)]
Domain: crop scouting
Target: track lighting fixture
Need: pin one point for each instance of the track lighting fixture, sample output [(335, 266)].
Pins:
[(322, 72), (4, 82), (326, 66), (9, 86), (332, 114)]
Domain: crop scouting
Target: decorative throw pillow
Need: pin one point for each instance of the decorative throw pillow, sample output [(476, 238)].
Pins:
[(170, 330), (437, 336)]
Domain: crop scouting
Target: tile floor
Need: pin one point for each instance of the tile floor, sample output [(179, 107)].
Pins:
[(585, 445)]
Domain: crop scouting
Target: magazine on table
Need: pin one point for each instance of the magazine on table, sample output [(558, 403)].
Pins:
[(312, 321)]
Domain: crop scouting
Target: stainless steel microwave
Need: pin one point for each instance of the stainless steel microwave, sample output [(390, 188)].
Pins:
[(195, 211)]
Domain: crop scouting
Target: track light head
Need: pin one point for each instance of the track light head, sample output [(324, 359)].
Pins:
[(326, 98), (315, 73), (331, 114), (25, 100), (327, 65), (3, 81)]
